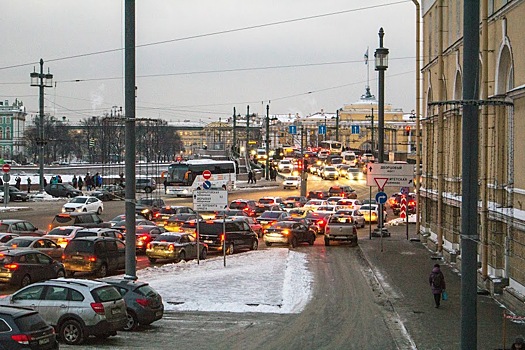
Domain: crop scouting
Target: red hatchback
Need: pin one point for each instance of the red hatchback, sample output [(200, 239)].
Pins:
[(246, 205)]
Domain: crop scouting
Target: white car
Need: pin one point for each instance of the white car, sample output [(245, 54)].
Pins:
[(357, 216), (292, 182), (314, 204), (327, 208), (348, 203), (83, 203), (330, 172), (285, 166)]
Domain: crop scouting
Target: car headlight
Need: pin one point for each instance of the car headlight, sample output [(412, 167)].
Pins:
[(63, 210)]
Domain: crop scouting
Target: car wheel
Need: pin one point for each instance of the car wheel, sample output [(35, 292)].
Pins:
[(182, 256), (204, 254), (102, 271), (152, 260), (293, 243), (255, 245), (61, 274), (269, 244), (326, 242), (26, 280), (230, 249), (312, 239), (147, 189), (68, 195), (132, 321), (99, 211), (71, 332), (70, 273)]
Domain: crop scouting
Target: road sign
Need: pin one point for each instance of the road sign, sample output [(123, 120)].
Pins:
[(6, 168), (292, 129), (6, 178), (381, 197), (322, 130), (206, 174), (355, 129), (399, 175), (210, 200), (381, 182), (206, 185), (405, 190)]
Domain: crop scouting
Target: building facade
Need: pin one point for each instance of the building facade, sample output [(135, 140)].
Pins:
[(501, 215), (12, 127)]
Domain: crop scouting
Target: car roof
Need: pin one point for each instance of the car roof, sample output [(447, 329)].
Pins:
[(11, 221), (123, 282), (16, 252), (74, 281), (95, 238), (15, 311)]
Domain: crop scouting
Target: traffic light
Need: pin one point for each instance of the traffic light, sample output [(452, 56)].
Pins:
[(300, 164), (407, 130)]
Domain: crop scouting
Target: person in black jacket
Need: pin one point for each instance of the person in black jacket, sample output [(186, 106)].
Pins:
[(437, 283)]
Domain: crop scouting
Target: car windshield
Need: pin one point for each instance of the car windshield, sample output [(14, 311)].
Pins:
[(82, 246), (266, 201), (368, 207), (270, 215), (85, 234), (60, 231), (19, 242), (78, 200), (292, 178)]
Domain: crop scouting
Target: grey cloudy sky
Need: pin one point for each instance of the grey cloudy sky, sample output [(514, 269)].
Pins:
[(320, 60)]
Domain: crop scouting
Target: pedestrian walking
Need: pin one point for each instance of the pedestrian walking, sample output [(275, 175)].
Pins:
[(519, 343), (254, 177), (80, 183), (165, 183), (250, 177), (437, 284), (45, 181), (74, 181), (28, 184), (18, 179)]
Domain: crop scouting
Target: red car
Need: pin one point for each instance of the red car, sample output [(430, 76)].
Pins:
[(145, 234)]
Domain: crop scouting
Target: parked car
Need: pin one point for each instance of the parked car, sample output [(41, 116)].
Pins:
[(62, 190), (83, 204), (238, 235), (145, 184), (148, 207), (15, 194), (145, 234), (247, 205), (98, 255), (342, 191), (20, 227), (175, 246), (167, 211), (143, 303), (269, 217), (41, 244), (84, 219), (109, 193), (288, 232), (23, 328), (76, 308), (23, 267)]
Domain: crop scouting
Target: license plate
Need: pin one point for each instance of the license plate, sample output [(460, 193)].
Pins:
[(208, 241), (43, 341), (77, 257), (115, 311)]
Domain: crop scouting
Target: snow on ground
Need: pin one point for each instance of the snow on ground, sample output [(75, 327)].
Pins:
[(273, 280)]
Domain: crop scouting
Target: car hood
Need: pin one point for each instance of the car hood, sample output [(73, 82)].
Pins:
[(74, 205)]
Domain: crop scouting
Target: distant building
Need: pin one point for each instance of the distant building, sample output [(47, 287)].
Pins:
[(12, 127)]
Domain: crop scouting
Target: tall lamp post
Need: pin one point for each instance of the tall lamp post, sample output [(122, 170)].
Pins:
[(381, 62), (267, 166), (42, 81)]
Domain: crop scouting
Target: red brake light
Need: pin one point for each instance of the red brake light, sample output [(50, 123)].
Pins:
[(222, 237), (148, 246), (156, 215), (98, 308), (92, 258), (171, 248), (21, 338), (11, 266), (142, 302)]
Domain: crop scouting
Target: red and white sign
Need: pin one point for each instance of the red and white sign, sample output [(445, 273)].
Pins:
[(206, 174), (381, 182), (403, 213), (6, 168)]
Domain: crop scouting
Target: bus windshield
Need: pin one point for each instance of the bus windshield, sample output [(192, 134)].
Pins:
[(176, 173)]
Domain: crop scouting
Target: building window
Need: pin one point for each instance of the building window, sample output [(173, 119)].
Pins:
[(1, 133), (8, 133)]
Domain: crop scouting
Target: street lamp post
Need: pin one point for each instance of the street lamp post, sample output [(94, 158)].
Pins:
[(337, 124), (381, 63), (325, 128), (267, 166), (42, 81)]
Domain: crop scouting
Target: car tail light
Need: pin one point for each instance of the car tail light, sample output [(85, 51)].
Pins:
[(142, 302), (98, 308), (171, 247), (148, 246), (63, 257), (156, 215), (21, 338), (92, 258), (321, 223), (222, 237), (143, 238), (286, 232), (11, 266)]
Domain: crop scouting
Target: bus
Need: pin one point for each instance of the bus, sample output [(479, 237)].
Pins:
[(182, 178), (335, 147)]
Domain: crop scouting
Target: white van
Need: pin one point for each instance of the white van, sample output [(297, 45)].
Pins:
[(349, 158)]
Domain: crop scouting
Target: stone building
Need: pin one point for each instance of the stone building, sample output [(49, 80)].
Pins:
[(501, 215)]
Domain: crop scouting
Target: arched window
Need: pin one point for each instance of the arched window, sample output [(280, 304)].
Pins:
[(7, 133)]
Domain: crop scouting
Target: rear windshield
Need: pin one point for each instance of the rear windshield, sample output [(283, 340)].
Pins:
[(168, 210), (107, 293), (85, 234), (313, 215), (266, 201), (146, 290), (30, 323), (59, 231), (63, 219), (238, 205), (80, 245), (167, 238), (269, 214), (215, 228), (5, 259)]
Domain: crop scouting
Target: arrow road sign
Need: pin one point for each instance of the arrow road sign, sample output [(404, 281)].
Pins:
[(381, 197), (401, 175)]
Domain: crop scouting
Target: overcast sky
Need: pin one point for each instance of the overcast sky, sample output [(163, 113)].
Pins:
[(198, 60)]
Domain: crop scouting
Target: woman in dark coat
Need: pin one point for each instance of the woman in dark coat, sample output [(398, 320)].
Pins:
[(437, 283)]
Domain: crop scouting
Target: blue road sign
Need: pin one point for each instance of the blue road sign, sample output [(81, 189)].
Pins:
[(206, 184), (405, 190), (322, 130), (381, 197), (292, 129), (355, 129)]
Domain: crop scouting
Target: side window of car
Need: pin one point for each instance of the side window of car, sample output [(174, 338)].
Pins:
[(76, 295), (4, 327), (99, 247), (184, 239), (191, 238), (43, 259), (245, 226), (31, 259), (112, 247), (56, 293), (31, 293)]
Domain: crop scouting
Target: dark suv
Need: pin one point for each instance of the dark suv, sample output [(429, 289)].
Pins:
[(83, 219), (22, 328), (342, 191), (98, 255), (148, 207), (238, 235), (247, 205)]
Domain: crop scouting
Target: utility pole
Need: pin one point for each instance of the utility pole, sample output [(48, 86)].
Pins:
[(337, 124), (303, 167), (247, 127), (267, 167), (234, 145)]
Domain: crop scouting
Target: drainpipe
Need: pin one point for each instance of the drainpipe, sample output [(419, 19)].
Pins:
[(484, 142), (418, 118), (440, 137)]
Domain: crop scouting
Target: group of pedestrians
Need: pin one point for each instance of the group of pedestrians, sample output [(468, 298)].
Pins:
[(252, 178)]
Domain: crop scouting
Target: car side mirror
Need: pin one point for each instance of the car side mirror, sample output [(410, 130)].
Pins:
[(11, 300)]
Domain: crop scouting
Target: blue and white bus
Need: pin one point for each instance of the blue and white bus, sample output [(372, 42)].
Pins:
[(335, 147), (186, 176)]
